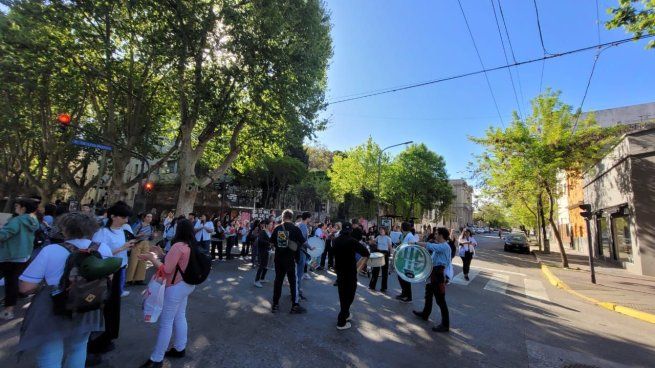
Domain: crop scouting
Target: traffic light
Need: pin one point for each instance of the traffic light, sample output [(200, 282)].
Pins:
[(149, 186), (64, 120), (586, 211)]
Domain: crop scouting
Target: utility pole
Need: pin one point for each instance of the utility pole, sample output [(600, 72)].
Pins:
[(586, 213)]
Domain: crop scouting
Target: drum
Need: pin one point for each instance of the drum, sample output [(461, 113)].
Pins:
[(318, 244), (412, 262), (376, 260)]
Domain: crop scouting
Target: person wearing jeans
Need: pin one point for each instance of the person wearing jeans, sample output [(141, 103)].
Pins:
[(172, 320), (59, 341)]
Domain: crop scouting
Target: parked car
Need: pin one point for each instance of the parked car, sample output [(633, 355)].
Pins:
[(516, 241)]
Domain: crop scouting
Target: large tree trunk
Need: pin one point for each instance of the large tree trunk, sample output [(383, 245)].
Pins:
[(540, 207), (551, 200), (188, 180)]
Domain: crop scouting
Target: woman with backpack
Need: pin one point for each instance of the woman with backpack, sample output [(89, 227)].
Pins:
[(173, 314), (58, 337)]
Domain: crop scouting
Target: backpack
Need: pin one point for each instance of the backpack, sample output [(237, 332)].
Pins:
[(76, 294), (453, 248), (197, 269), (40, 237), (283, 240)]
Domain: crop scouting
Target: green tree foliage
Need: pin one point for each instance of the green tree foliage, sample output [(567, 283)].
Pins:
[(521, 161), (493, 214), (636, 16), (320, 158), (418, 181)]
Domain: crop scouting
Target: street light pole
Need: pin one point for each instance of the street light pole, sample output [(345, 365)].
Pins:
[(377, 197)]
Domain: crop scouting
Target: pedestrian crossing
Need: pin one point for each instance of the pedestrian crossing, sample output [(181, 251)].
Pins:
[(503, 283)]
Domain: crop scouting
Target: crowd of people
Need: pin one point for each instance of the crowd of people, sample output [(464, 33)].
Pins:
[(36, 251)]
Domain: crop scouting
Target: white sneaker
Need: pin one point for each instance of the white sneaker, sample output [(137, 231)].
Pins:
[(264, 281), (306, 276), (125, 293), (7, 315), (344, 327), (258, 284)]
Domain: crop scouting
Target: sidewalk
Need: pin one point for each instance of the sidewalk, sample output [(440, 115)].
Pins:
[(615, 288)]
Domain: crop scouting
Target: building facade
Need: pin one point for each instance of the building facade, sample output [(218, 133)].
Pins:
[(460, 212), (621, 193)]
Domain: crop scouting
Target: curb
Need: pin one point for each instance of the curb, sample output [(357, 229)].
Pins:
[(555, 281)]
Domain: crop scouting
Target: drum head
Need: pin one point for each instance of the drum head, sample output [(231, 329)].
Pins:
[(318, 244), (412, 263), (376, 255)]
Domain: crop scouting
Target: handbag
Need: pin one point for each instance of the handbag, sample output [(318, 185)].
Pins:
[(153, 298)]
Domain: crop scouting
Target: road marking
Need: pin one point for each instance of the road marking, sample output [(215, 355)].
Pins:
[(457, 262), (459, 278), (497, 283), (535, 289)]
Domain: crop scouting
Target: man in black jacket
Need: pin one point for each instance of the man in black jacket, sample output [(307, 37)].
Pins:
[(344, 248), (286, 258)]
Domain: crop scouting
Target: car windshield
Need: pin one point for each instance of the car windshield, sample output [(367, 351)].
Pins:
[(516, 237)]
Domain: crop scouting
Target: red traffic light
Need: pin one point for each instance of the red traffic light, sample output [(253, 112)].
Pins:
[(64, 119), (149, 186)]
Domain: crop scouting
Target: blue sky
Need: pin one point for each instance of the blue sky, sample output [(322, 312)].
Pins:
[(380, 44)]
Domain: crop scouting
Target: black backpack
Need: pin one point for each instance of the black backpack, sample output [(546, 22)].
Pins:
[(197, 269), (453, 248), (75, 293)]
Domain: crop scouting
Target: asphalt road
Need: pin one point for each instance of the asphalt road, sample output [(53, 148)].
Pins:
[(506, 316)]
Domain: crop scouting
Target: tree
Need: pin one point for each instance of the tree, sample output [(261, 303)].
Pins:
[(494, 214), (639, 20), (523, 159), (418, 181), (248, 74), (320, 158)]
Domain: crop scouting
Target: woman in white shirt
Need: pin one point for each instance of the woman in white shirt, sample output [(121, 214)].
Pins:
[(467, 246), (383, 245), (58, 338), (117, 236)]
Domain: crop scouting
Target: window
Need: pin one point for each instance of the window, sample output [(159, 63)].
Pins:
[(603, 237), (622, 238)]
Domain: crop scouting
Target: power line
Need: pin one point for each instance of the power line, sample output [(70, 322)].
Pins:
[(511, 49), (493, 97), (459, 76), (511, 78), (541, 36)]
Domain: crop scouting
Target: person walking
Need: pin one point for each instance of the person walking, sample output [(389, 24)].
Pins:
[(436, 286), (286, 260), (467, 246), (115, 236), (16, 245), (382, 244), (231, 239), (172, 320), (345, 247), (263, 244), (136, 268)]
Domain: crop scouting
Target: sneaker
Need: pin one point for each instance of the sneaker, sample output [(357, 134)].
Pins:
[(371, 289), (297, 309), (306, 276), (466, 277), (440, 328), (275, 308), (420, 315), (174, 353), (125, 293), (406, 299), (258, 284), (344, 327), (7, 315), (400, 297), (383, 290), (264, 281)]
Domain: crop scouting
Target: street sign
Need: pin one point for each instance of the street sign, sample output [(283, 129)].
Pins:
[(79, 142)]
